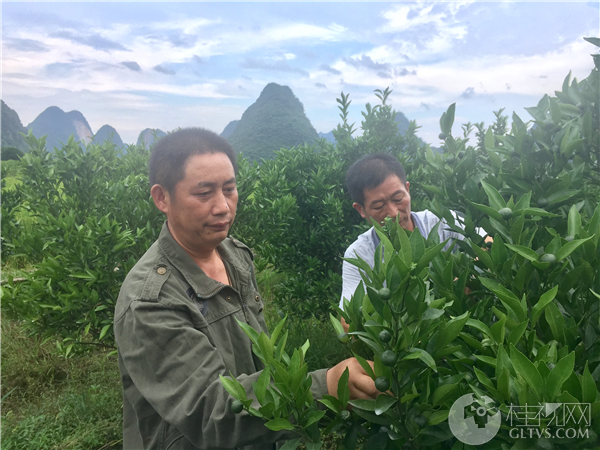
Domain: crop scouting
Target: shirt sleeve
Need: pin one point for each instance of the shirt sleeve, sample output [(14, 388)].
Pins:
[(350, 280)]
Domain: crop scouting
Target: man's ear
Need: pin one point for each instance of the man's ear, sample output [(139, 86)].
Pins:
[(407, 187), (161, 198), (360, 209)]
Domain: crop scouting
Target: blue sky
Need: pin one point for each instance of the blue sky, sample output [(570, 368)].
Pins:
[(166, 65)]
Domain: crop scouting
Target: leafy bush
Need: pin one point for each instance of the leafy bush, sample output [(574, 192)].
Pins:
[(516, 321), (88, 220), (295, 212)]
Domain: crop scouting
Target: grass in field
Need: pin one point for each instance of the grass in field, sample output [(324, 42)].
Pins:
[(49, 402)]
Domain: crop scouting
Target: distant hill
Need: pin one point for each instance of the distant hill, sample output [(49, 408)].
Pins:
[(108, 133), (149, 136), (327, 136), (230, 128), (276, 120), (58, 125), (403, 123), (11, 129)]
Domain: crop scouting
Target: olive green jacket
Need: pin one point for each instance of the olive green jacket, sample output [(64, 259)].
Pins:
[(176, 332)]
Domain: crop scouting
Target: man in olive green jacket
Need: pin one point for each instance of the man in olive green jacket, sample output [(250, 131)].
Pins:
[(175, 320)]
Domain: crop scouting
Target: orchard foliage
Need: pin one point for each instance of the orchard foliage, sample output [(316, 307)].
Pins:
[(515, 320), (295, 212), (82, 218)]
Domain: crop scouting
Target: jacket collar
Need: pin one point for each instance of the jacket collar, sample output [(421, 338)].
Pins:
[(194, 275)]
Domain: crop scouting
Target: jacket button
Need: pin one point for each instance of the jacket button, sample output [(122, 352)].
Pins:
[(161, 271), (257, 298)]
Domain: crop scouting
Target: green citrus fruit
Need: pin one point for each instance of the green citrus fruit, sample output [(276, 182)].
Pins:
[(542, 202), (389, 358), (237, 406), (443, 136), (549, 258), (461, 155), (506, 213), (343, 338), (450, 160), (385, 336), (382, 384), (385, 293)]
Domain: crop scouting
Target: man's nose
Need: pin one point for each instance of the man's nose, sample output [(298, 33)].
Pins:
[(392, 211), (220, 206)]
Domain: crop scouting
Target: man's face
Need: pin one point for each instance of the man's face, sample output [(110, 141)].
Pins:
[(202, 207), (388, 199)]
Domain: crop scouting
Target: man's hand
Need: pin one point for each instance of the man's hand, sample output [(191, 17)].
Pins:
[(344, 324), (361, 385)]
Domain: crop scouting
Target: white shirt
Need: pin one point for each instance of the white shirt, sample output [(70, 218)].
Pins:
[(364, 248)]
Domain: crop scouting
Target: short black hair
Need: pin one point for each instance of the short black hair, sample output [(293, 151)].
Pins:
[(171, 153), (369, 172)]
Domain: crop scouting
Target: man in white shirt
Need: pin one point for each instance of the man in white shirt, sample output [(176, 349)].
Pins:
[(377, 184)]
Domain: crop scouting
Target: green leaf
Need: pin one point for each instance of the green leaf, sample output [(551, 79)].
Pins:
[(588, 386), (366, 405), (496, 200), (525, 252), (525, 368), (477, 324), (499, 330), (250, 332), (332, 403), (365, 365), (260, 386), (447, 119), (569, 248), (337, 325), (489, 141), (517, 332), (561, 372), (279, 424), (291, 444), (104, 330), (555, 111), (483, 256), (314, 417), (593, 40), (573, 222), (429, 255), (441, 392), (277, 330), (544, 300), (343, 390), (556, 321), (507, 298), (482, 377), (425, 357), (234, 387), (384, 402), (561, 196), (488, 210)]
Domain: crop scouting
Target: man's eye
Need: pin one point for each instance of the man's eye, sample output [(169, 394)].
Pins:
[(203, 194)]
